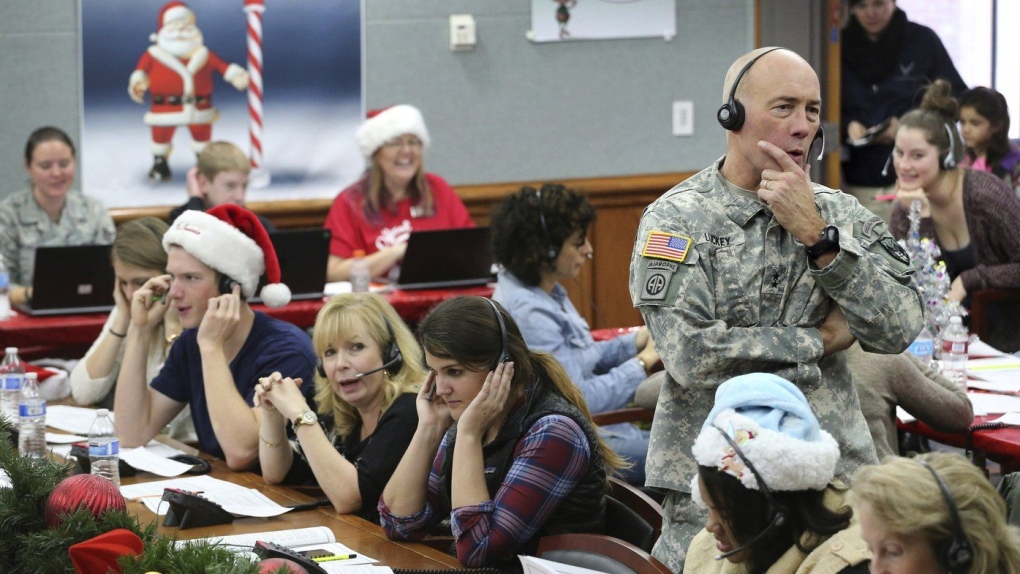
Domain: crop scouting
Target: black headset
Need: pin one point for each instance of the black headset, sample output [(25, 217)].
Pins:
[(731, 114), (391, 357), (954, 553), (553, 251), (226, 285), (504, 356), (779, 511)]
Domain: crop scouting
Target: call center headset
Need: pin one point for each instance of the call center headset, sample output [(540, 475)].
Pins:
[(392, 357), (504, 356), (954, 553), (553, 251), (946, 162), (731, 114), (226, 285), (779, 511)]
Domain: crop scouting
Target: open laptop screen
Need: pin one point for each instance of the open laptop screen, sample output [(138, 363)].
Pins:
[(71, 279)]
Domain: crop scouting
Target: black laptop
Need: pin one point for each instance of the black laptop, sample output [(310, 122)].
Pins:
[(303, 255), (446, 258), (71, 279)]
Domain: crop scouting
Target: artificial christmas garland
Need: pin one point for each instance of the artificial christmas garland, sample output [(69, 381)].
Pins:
[(29, 546)]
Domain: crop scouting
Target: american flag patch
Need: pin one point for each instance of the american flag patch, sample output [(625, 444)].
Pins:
[(666, 246)]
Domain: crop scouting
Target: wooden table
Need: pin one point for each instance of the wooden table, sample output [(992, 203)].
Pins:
[(354, 532), (69, 336)]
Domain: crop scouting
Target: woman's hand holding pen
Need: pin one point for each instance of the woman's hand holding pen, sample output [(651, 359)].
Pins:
[(149, 304)]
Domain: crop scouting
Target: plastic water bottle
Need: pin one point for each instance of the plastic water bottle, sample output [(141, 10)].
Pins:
[(104, 448), (12, 373), (955, 343), (361, 276), (32, 411), (923, 346), (5, 291)]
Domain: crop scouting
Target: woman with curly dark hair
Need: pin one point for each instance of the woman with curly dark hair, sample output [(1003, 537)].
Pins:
[(540, 236)]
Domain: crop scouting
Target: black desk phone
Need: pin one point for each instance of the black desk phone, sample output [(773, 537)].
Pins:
[(190, 509)]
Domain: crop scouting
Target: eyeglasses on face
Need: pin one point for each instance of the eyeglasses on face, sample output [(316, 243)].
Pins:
[(396, 143)]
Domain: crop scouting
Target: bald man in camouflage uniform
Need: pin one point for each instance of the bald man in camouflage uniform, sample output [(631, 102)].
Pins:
[(749, 266)]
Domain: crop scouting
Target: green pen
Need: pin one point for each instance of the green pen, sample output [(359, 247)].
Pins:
[(335, 557)]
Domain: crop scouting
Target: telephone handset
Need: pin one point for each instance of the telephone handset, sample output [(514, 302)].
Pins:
[(190, 509), (431, 379), (265, 550)]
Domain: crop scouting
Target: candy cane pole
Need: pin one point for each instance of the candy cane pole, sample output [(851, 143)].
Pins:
[(259, 173)]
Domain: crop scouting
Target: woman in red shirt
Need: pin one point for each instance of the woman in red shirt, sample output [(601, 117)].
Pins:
[(377, 213)]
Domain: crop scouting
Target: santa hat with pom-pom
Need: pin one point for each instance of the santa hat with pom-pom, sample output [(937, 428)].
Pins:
[(171, 12), (388, 123), (231, 240)]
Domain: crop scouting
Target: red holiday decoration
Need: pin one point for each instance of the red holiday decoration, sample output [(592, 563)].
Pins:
[(273, 565), (100, 554), (82, 490)]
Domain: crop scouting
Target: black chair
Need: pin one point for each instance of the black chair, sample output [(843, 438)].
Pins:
[(599, 552), (632, 515)]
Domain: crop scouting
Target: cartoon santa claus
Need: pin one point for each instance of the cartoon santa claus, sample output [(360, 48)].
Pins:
[(177, 70)]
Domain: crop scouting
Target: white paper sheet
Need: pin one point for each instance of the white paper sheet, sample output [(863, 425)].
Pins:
[(979, 348), (148, 460), (233, 498), (990, 403), (77, 420), (290, 538), (61, 438), (1012, 419)]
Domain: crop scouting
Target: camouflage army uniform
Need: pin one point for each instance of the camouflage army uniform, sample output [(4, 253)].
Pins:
[(742, 299), (25, 226)]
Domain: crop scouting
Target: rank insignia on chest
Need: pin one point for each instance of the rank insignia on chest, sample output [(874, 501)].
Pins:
[(662, 245)]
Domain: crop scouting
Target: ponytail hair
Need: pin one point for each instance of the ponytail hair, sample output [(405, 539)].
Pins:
[(465, 328)]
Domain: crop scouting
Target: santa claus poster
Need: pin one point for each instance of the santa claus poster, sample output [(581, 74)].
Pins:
[(281, 79)]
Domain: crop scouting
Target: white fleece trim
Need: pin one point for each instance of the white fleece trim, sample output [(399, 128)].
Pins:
[(393, 122), (219, 245), (785, 463)]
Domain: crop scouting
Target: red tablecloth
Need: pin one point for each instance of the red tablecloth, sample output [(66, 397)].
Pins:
[(71, 335), (1001, 444)]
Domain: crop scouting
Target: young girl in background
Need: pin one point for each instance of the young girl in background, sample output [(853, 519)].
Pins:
[(984, 123)]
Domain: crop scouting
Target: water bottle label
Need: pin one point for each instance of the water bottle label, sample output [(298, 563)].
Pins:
[(105, 449), (12, 382), (5, 280), (37, 410), (955, 347), (922, 348)]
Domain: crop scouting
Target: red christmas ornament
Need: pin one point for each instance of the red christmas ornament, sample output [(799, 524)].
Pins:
[(273, 565), (82, 490)]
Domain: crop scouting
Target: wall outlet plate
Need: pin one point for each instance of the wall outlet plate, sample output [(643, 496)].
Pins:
[(683, 118), (462, 32)]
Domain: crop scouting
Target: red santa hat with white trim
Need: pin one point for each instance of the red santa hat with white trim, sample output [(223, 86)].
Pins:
[(388, 123), (171, 12), (231, 240)]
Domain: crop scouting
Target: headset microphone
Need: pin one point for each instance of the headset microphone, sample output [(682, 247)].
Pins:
[(885, 170), (777, 521), (322, 371)]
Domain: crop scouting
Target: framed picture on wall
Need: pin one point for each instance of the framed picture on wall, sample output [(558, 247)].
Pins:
[(564, 20), (280, 79)]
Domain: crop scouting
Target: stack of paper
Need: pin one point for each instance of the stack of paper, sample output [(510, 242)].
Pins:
[(233, 498), (299, 540)]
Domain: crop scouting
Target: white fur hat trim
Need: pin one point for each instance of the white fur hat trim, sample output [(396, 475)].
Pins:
[(784, 462), (388, 124), (219, 245)]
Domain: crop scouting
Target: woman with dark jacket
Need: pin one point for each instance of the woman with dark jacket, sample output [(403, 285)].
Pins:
[(504, 447)]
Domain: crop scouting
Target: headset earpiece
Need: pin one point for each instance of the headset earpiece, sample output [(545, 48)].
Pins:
[(553, 251), (504, 356), (955, 553), (320, 369), (731, 114), (392, 353), (949, 159), (226, 285)]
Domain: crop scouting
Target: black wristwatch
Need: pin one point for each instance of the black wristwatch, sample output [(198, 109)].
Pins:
[(827, 242)]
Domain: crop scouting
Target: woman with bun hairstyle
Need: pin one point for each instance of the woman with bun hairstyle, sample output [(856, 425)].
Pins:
[(984, 121), (505, 448), (394, 197), (906, 507), (972, 215)]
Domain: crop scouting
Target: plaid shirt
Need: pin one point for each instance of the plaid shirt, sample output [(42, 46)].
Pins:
[(549, 461)]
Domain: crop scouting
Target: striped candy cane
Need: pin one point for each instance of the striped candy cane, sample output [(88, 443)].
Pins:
[(260, 174)]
